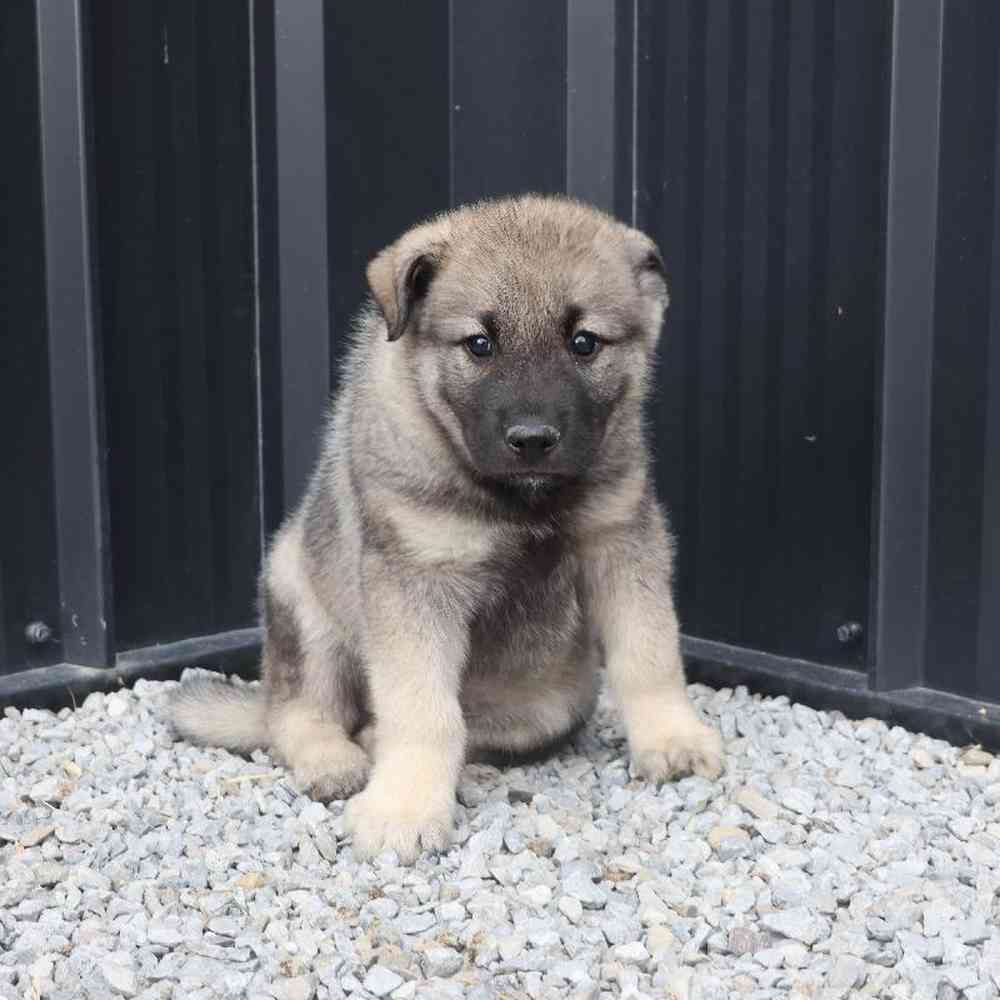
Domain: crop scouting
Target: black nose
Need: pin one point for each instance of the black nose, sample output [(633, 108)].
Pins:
[(532, 441)]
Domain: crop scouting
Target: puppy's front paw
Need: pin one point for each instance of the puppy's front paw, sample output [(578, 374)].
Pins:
[(391, 819), (690, 747)]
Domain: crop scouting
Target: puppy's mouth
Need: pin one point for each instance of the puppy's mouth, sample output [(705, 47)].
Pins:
[(532, 488), (534, 481)]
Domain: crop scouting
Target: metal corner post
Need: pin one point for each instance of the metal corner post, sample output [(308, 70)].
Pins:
[(903, 475), (303, 246), (591, 101), (85, 584)]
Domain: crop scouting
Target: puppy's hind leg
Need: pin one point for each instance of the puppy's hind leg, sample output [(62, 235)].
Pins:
[(314, 704), (326, 762)]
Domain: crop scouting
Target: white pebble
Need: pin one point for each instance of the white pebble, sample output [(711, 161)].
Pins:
[(381, 981)]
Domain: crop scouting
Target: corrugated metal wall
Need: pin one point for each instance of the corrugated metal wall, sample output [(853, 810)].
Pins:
[(173, 208), (28, 580), (761, 137), (388, 132), (821, 175), (963, 575)]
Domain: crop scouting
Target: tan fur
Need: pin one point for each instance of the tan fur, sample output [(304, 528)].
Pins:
[(437, 598), (432, 536), (289, 579), (320, 753)]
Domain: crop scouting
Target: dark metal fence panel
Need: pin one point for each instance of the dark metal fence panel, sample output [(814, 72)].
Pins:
[(388, 133), (434, 105), (188, 225), (761, 131), (508, 98), (171, 116), (963, 593), (28, 558)]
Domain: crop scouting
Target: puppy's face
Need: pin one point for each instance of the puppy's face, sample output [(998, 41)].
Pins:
[(530, 327)]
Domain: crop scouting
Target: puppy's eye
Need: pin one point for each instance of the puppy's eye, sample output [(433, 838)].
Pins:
[(584, 344), (480, 345)]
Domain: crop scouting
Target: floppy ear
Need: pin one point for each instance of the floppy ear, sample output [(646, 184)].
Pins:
[(647, 264), (400, 276)]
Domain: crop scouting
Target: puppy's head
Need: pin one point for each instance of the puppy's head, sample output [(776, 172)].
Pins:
[(529, 326)]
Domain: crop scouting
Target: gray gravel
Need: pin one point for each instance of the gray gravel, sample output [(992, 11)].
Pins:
[(834, 859)]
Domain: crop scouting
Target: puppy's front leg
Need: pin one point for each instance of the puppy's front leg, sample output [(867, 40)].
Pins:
[(416, 649), (628, 592)]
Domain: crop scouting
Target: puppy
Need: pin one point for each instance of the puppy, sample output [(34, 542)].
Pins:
[(480, 533)]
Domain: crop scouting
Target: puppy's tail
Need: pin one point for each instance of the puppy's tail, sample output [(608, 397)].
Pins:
[(213, 712)]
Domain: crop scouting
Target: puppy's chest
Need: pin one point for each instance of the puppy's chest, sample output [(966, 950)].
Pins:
[(531, 615), (530, 580), (506, 572)]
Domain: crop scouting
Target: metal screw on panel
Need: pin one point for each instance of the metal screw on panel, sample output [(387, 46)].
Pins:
[(849, 632), (37, 633)]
